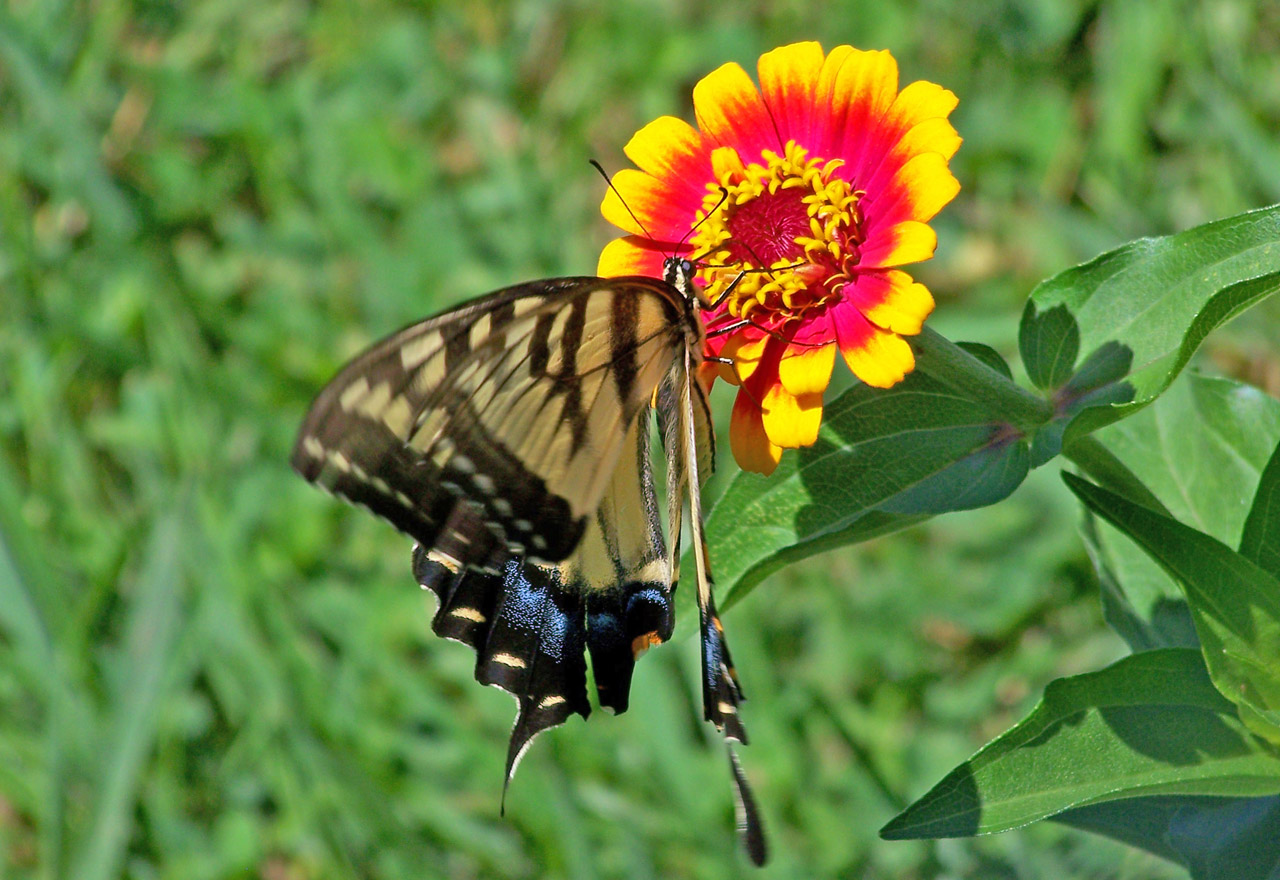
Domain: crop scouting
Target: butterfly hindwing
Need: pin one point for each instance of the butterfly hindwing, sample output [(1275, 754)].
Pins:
[(532, 623)]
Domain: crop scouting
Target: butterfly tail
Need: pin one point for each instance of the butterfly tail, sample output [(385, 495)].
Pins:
[(528, 632)]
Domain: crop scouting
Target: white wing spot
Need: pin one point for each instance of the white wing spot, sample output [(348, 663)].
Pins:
[(353, 394), (471, 614), (417, 351), (398, 417), (441, 558), (509, 660), (484, 483)]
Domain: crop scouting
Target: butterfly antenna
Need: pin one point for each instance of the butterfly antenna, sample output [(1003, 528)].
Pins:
[(724, 194), (649, 235)]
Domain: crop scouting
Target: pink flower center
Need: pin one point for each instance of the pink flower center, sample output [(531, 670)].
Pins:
[(779, 239), (763, 230)]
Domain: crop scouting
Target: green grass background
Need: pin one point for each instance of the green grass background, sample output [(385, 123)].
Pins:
[(210, 670)]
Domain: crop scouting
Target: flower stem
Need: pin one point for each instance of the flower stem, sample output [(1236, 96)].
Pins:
[(942, 359)]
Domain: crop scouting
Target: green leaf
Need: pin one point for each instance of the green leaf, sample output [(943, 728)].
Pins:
[(1139, 601), (1205, 477), (1109, 336), (1210, 836), (1260, 542), (885, 459), (1234, 603), (1200, 450), (1149, 724)]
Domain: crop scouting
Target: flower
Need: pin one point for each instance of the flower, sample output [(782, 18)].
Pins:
[(799, 200)]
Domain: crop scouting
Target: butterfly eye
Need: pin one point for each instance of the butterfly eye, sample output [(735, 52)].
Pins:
[(686, 267)]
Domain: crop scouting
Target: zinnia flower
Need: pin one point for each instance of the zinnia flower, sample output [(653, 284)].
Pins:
[(831, 175)]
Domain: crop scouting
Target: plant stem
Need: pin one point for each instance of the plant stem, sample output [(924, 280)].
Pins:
[(942, 359)]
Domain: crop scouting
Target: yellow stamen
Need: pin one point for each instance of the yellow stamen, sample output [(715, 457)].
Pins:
[(815, 266)]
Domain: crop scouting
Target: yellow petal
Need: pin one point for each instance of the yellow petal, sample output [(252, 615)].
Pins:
[(902, 304), (791, 421), (746, 353), (861, 88), (918, 191), (726, 163), (788, 77), (807, 369), (635, 190), (930, 136), (630, 255), (751, 447), (666, 147), (908, 241), (919, 101), (729, 109), (882, 360)]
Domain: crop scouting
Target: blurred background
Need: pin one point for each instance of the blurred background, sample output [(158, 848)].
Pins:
[(208, 669)]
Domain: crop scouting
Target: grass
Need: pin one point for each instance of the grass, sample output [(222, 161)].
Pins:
[(209, 670)]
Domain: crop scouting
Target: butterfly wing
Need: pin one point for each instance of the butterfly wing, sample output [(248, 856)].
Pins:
[(530, 623), (506, 437), (494, 428)]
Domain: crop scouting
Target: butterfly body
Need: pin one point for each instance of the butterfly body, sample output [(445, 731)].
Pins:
[(509, 437)]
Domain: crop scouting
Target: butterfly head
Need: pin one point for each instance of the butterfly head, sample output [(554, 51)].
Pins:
[(678, 272)]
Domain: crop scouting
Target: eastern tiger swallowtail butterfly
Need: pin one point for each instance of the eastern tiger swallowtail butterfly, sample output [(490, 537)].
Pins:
[(509, 437)]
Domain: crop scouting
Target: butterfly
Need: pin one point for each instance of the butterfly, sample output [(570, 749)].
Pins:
[(510, 437)]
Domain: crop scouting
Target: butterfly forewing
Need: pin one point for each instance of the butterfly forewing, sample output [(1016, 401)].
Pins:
[(517, 403)]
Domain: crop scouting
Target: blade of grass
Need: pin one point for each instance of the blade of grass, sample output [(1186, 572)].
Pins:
[(154, 623)]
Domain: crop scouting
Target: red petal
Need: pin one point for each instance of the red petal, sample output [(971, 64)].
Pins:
[(877, 357), (868, 149), (789, 82), (891, 300), (672, 151), (917, 191), (655, 203), (859, 93)]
